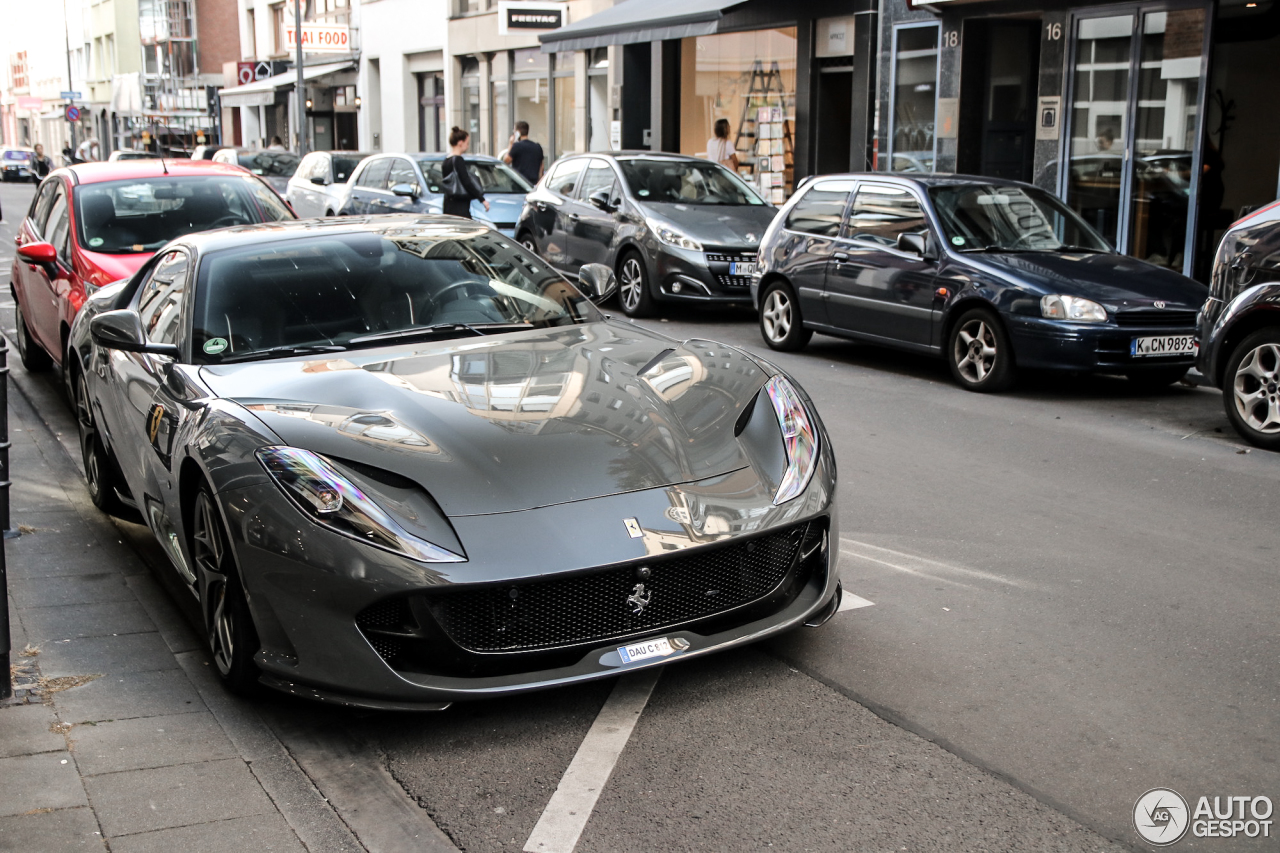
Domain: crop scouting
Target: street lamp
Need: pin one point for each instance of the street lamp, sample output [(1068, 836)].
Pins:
[(301, 87)]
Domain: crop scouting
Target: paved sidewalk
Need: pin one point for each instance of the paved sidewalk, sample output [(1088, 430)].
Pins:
[(127, 742)]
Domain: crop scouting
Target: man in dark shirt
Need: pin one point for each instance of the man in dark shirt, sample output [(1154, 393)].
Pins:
[(524, 155)]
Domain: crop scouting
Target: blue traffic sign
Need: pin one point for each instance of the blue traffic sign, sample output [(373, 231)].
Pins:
[(73, 113), (70, 96)]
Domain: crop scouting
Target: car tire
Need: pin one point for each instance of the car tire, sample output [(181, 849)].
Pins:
[(526, 240), (101, 472), (1251, 388), (633, 286), (979, 353), (1154, 380), (229, 630), (781, 324), (33, 358)]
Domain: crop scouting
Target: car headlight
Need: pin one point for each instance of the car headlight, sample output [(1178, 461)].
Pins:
[(1055, 307), (672, 237), (799, 437), (332, 500)]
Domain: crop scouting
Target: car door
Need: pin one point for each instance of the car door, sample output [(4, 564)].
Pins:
[(594, 228), (810, 234), (369, 186), (306, 196), (29, 281), (874, 288), (552, 207), (402, 173), (41, 306)]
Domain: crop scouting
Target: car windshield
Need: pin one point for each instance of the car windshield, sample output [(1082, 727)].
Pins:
[(270, 164), (16, 155), (493, 177), (132, 217), (1010, 218), (685, 182), (346, 291)]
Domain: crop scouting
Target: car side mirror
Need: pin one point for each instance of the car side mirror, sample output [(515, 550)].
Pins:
[(597, 282), (40, 255), (122, 330), (406, 190), (602, 200), (318, 181), (917, 243)]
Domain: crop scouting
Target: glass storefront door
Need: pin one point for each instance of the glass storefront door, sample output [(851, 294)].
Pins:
[(1134, 138)]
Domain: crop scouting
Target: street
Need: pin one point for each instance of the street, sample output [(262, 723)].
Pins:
[(1068, 599)]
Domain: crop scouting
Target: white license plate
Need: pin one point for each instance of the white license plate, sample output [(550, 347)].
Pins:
[(1163, 345), (738, 268), (659, 648)]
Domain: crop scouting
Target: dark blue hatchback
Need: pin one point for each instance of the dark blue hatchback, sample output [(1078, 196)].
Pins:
[(992, 275)]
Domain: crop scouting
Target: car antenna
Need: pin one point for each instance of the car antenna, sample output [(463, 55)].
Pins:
[(163, 166)]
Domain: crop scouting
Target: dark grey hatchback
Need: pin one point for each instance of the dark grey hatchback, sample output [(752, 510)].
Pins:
[(993, 275), (673, 228)]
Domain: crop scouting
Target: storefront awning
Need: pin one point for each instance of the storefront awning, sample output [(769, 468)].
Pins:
[(261, 93), (633, 21)]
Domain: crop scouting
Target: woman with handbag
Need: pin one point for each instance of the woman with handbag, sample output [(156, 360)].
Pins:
[(459, 185)]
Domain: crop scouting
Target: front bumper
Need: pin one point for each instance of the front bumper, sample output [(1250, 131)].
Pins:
[(308, 592), (1206, 353), (1095, 347), (688, 276)]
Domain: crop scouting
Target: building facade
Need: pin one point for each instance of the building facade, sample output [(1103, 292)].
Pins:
[(402, 75)]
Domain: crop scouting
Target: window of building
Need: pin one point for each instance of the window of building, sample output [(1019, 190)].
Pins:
[(471, 101), (912, 143), (279, 43), (565, 106), (598, 114), (431, 129), (251, 29), (748, 79)]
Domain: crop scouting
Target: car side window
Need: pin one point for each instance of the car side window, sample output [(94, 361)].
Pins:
[(160, 303), (598, 176), (321, 169), (44, 203), (374, 177), (880, 213), (58, 228), (821, 209), (564, 177), (402, 172)]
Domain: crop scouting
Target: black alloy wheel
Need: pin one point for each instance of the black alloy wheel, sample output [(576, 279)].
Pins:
[(979, 353), (633, 286), (1251, 388), (528, 242), (233, 641), (33, 358), (102, 474), (781, 324)]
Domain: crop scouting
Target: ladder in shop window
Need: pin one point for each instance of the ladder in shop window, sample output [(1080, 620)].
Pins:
[(766, 89)]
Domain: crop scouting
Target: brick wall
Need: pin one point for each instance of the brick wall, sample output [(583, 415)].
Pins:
[(219, 34)]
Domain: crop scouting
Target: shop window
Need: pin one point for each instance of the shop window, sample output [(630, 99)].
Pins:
[(531, 106), (598, 115), (565, 106), (749, 79), (915, 98)]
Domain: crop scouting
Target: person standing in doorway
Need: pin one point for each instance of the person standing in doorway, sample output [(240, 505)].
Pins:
[(460, 205), (720, 149), (524, 155)]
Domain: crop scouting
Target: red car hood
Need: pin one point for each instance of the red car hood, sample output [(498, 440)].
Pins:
[(102, 269)]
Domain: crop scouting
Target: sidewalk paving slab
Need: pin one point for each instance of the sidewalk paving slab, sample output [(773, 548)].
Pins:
[(70, 589), (141, 652), (147, 742), (259, 834), (85, 620), (45, 781), (61, 831), (128, 695), (24, 730)]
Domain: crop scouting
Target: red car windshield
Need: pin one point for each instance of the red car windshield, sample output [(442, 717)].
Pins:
[(137, 216)]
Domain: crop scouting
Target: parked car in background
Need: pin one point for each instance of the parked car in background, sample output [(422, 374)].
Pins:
[(206, 152), (274, 167), (131, 154), (318, 187), (95, 223), (992, 275), (674, 228), (375, 508), (18, 164), (1239, 326), (412, 183)]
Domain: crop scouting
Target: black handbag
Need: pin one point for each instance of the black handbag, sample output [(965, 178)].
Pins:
[(451, 183)]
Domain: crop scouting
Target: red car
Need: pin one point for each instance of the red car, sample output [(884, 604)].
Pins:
[(96, 223)]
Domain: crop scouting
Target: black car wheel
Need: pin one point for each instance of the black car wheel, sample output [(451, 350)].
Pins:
[(229, 626), (1154, 380), (34, 359), (780, 320), (528, 242), (1251, 389), (101, 473), (633, 286), (980, 356)]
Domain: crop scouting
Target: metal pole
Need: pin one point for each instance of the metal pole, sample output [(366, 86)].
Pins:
[(66, 35), (300, 95), (6, 680)]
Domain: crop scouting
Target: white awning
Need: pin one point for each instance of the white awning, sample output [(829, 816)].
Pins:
[(261, 93)]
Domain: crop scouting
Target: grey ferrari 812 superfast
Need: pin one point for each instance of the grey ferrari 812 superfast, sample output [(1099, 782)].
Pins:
[(399, 461)]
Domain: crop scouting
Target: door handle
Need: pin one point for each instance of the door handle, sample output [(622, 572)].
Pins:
[(840, 256), (573, 217)]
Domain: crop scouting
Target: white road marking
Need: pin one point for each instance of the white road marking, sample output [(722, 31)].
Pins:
[(849, 601), (564, 818), (912, 564)]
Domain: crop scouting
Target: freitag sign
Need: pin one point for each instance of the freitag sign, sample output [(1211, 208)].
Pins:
[(516, 17), (319, 38)]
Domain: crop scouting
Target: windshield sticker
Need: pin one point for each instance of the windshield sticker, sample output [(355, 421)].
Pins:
[(642, 193), (95, 241), (957, 241), (213, 346)]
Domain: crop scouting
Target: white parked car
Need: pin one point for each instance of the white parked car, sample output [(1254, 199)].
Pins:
[(319, 186)]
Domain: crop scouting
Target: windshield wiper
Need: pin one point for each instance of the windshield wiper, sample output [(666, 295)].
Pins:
[(995, 250), (301, 349), (437, 330), (1065, 248)]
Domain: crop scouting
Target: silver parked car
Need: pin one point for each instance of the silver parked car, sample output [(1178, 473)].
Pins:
[(319, 186)]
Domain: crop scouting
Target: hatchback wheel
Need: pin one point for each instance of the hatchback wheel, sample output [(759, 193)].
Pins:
[(33, 358), (1251, 389), (102, 475), (980, 356), (780, 320), (633, 286), (232, 639), (528, 243)]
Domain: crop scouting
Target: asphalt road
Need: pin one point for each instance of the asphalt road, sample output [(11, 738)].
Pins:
[(1073, 587)]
